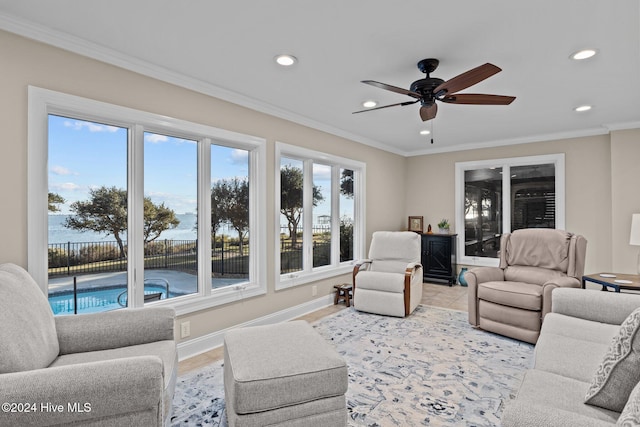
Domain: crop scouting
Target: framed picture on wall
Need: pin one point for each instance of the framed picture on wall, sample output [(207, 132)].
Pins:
[(416, 224)]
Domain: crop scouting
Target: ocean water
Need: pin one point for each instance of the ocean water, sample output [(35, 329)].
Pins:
[(58, 233)]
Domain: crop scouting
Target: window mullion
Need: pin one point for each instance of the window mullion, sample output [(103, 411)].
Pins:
[(506, 198), (335, 215), (135, 213), (307, 216), (204, 216)]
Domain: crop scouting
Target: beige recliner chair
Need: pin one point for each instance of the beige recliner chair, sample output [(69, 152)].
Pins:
[(389, 282), (513, 299)]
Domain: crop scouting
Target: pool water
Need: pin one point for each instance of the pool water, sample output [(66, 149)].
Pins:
[(98, 299)]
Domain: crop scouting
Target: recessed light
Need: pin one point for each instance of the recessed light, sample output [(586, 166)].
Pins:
[(583, 54), (425, 132), (369, 104), (582, 108), (286, 60)]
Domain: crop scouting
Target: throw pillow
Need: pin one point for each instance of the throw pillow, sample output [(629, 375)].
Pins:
[(630, 416), (618, 373)]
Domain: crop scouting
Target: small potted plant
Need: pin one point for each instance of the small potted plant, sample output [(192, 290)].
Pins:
[(443, 226)]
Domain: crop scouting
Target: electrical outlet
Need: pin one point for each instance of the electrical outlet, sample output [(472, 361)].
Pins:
[(314, 290), (185, 329)]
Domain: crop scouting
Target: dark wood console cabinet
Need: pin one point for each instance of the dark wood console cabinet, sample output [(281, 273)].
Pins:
[(439, 257)]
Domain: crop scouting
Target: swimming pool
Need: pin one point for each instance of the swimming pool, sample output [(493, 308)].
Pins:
[(98, 299)]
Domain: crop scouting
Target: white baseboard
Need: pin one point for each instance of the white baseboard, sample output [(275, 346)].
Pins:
[(199, 345)]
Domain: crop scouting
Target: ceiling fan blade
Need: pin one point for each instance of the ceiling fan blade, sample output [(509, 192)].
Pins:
[(387, 106), (469, 78), (392, 88), (428, 112), (478, 99)]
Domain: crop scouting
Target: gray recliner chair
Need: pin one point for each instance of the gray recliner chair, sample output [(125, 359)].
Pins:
[(513, 299), (105, 369), (389, 282)]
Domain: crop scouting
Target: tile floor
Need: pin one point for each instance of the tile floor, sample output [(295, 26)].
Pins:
[(438, 295)]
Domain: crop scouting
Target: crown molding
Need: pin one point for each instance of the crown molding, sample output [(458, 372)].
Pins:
[(91, 50), (82, 47)]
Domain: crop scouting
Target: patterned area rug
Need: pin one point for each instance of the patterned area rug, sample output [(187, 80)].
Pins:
[(431, 368)]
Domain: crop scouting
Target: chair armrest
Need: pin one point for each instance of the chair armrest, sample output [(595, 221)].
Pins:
[(96, 390), (362, 264), (483, 274), (549, 287), (412, 269), (590, 304), (359, 263), (114, 329), (474, 277), (413, 266)]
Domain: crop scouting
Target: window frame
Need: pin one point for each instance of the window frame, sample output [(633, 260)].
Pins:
[(335, 268), (42, 102), (505, 163)]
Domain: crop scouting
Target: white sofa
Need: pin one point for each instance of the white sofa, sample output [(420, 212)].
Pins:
[(574, 339)]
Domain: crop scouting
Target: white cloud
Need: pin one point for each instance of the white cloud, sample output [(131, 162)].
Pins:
[(61, 170), (92, 127), (321, 171), (239, 157), (154, 137), (65, 186)]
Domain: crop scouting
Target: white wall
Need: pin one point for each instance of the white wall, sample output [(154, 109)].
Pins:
[(25, 62), (602, 179)]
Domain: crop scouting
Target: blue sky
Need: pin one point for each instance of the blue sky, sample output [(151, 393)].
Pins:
[(85, 155)]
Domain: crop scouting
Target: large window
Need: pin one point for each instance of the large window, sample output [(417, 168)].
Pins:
[(127, 208), (497, 196), (320, 214)]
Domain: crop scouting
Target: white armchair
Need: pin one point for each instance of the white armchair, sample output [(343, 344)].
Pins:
[(389, 282)]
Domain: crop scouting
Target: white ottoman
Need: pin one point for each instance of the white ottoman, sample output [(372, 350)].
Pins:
[(283, 375)]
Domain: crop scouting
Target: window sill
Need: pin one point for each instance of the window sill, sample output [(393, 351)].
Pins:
[(479, 261), (234, 293), (299, 278)]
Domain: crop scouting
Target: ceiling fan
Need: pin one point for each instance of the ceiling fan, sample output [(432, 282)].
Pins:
[(431, 89)]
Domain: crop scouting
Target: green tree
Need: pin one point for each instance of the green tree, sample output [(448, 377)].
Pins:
[(106, 212), (157, 218), (54, 200), (346, 183), (237, 207), (218, 198), (230, 204), (291, 198)]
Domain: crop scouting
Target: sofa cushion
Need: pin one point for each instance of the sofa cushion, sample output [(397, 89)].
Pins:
[(630, 416), (28, 332), (618, 373), (559, 393), (572, 347), (513, 294)]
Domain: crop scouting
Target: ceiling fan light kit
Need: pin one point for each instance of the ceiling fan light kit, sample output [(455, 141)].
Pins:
[(431, 89)]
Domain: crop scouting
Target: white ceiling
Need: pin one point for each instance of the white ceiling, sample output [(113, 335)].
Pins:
[(226, 49)]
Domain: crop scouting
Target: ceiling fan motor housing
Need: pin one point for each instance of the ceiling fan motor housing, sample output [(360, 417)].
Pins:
[(425, 88)]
